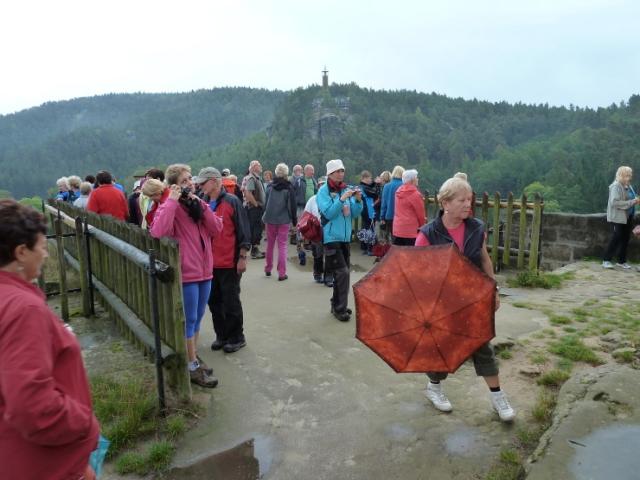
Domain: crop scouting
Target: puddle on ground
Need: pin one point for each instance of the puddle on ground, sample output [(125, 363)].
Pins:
[(607, 453), (250, 460), (398, 432), (461, 442)]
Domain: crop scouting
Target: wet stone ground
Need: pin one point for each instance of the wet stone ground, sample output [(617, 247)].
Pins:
[(306, 400)]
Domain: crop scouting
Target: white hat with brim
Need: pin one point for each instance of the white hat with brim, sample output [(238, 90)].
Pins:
[(333, 165)]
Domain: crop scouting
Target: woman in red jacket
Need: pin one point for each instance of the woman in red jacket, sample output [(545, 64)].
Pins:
[(409, 214), (47, 426)]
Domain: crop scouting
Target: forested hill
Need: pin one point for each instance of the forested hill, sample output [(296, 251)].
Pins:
[(570, 155), (124, 132)]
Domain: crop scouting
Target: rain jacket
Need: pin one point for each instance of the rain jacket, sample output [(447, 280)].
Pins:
[(280, 204), (335, 226), (409, 212), (235, 232), (388, 198), (196, 256), (437, 234), (47, 427)]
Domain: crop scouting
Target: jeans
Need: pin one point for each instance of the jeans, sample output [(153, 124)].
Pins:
[(277, 233), (225, 305), (196, 295)]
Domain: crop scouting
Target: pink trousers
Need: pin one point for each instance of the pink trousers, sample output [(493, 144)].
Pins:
[(280, 234)]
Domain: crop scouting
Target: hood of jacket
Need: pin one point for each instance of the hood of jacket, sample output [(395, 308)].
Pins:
[(280, 183), (406, 190)]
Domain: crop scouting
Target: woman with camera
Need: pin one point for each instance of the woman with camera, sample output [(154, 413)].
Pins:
[(189, 221)]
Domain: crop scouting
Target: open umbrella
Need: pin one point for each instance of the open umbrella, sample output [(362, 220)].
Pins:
[(425, 309)]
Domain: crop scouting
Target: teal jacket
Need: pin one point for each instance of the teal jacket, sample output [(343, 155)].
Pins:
[(335, 226)]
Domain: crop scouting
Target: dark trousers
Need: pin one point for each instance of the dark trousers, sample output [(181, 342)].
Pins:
[(337, 255), (484, 361), (225, 305), (619, 241), (254, 215), (320, 267), (404, 242)]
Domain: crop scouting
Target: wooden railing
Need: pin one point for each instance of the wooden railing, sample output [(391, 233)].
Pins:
[(513, 228), (112, 258)]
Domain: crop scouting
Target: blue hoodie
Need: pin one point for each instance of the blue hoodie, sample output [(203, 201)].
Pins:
[(389, 198), (336, 227)]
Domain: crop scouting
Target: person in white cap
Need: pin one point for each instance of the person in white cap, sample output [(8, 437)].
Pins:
[(338, 204)]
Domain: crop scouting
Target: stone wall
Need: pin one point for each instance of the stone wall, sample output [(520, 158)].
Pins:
[(568, 237)]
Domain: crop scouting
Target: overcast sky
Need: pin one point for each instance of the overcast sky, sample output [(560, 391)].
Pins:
[(585, 52)]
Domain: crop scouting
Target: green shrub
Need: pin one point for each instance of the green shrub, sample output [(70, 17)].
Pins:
[(528, 279), (554, 378)]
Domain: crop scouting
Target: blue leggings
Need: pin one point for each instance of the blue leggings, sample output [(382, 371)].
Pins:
[(196, 296)]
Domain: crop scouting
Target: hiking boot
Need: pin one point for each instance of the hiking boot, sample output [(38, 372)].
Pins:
[(217, 345), (607, 264), (199, 377), (282, 278), (348, 310), (624, 265), (256, 253), (302, 257), (328, 282), (434, 393), (204, 366), (231, 347), (268, 274), (501, 405), (317, 277)]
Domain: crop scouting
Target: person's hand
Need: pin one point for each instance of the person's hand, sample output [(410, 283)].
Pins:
[(347, 193), (358, 195), (382, 222), (241, 267), (89, 474), (637, 200), (175, 192)]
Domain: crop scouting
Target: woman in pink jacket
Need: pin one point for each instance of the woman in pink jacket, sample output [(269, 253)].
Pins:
[(409, 214), (47, 425), (190, 221)]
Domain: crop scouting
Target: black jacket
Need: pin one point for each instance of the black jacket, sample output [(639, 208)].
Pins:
[(437, 234)]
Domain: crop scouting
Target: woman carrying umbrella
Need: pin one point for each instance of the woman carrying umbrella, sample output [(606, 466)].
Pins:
[(454, 224)]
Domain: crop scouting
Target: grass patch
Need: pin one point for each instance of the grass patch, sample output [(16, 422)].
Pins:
[(126, 409), (523, 305), (529, 279), (559, 320), (625, 356), (554, 378), (509, 466), (542, 411), (569, 329), (505, 354), (564, 364), (538, 358), (572, 348), (156, 459)]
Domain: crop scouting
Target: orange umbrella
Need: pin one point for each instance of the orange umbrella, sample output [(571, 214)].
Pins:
[(425, 309)]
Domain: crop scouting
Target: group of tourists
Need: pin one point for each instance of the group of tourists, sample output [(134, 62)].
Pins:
[(45, 405)]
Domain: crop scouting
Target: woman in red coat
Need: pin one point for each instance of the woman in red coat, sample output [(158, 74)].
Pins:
[(47, 426), (409, 213)]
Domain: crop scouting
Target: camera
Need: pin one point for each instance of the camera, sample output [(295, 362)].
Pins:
[(184, 193)]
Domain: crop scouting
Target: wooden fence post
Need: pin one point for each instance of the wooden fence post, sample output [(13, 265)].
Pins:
[(485, 208), (496, 231), (64, 300), (83, 274), (506, 254), (535, 233), (522, 232)]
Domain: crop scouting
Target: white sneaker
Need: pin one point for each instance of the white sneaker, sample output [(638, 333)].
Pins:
[(434, 393), (501, 405), (606, 264), (624, 265)]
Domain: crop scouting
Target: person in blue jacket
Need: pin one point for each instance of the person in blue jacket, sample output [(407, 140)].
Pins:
[(338, 205), (387, 209)]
